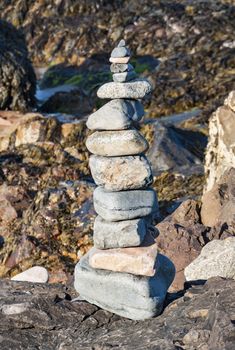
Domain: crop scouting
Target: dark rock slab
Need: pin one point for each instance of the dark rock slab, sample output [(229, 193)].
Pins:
[(43, 317)]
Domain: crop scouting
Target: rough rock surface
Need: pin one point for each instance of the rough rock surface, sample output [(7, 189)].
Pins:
[(218, 204), (18, 80), (217, 258), (181, 237), (31, 318), (137, 89), (121, 173), (116, 143), (131, 296), (220, 154), (129, 233)]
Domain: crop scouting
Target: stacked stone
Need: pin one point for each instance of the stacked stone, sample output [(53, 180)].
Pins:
[(123, 273)]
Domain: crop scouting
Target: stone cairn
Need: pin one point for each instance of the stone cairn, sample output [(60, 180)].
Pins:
[(123, 273)]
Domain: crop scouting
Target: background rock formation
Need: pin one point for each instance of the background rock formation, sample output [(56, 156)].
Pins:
[(17, 78), (220, 154), (194, 42)]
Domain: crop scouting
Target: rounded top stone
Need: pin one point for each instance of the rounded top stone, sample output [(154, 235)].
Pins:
[(121, 43)]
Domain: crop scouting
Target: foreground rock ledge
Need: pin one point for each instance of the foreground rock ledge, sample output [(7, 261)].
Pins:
[(43, 317)]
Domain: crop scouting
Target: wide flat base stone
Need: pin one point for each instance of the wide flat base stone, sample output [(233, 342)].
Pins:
[(134, 297), (128, 233)]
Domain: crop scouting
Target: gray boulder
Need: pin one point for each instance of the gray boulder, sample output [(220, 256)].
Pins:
[(134, 297), (137, 89)]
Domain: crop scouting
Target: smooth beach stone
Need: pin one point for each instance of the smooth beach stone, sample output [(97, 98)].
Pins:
[(116, 143), (119, 59), (36, 274), (135, 89), (121, 173), (131, 296), (125, 76), (120, 68), (121, 43), (139, 261), (114, 115), (128, 233), (125, 205), (120, 51)]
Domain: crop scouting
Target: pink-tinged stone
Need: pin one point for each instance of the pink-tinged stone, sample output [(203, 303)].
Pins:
[(135, 260), (119, 59)]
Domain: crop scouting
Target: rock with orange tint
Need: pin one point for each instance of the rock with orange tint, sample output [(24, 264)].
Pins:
[(135, 260)]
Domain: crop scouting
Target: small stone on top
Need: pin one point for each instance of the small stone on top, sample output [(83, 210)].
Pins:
[(121, 43)]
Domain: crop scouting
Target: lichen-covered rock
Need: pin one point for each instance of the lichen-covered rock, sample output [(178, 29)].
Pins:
[(18, 81), (217, 258), (220, 154)]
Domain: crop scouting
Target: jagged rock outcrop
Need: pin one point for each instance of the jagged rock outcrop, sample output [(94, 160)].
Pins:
[(220, 154), (18, 80), (218, 204), (43, 316)]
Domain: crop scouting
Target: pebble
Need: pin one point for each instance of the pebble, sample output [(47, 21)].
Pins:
[(36, 274), (129, 233), (125, 76), (116, 143), (120, 51), (131, 296), (120, 68), (121, 173), (119, 59), (135, 90), (121, 43), (125, 205), (139, 261)]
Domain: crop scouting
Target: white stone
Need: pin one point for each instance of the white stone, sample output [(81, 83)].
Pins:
[(217, 258), (36, 274)]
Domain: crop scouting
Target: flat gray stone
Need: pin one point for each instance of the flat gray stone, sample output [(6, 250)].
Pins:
[(121, 67), (125, 76), (120, 51), (122, 234), (121, 173), (131, 296), (136, 89), (117, 143), (125, 205), (116, 115)]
